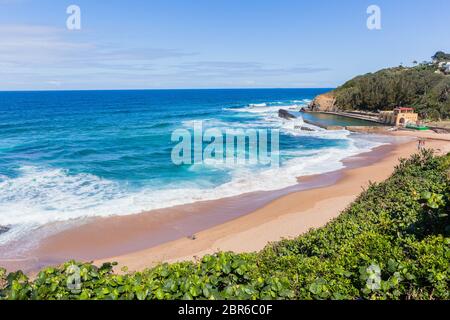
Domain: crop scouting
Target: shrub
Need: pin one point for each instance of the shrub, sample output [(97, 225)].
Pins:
[(420, 88), (391, 243)]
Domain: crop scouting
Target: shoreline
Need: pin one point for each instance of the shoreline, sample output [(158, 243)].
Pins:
[(244, 223), (286, 217)]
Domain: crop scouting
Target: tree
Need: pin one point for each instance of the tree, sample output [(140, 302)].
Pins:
[(418, 87), (441, 56)]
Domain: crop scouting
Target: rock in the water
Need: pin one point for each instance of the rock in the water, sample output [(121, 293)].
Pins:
[(285, 114), (306, 129), (3, 229)]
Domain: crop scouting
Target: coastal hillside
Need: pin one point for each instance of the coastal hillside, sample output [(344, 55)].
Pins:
[(424, 87), (391, 243)]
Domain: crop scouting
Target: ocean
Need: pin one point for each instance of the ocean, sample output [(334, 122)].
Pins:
[(69, 155)]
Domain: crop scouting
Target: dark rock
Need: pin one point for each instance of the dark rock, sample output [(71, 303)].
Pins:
[(286, 115), (302, 128), (335, 128), (315, 124), (441, 130), (368, 129), (3, 229)]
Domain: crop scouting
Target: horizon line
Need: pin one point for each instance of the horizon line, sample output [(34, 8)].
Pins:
[(167, 89)]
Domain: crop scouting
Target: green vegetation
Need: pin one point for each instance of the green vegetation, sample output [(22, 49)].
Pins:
[(419, 87), (398, 229)]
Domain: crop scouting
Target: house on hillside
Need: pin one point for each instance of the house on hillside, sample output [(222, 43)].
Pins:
[(443, 67), (440, 56), (447, 68), (399, 117)]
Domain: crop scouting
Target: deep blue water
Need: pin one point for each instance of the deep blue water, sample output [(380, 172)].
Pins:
[(67, 155)]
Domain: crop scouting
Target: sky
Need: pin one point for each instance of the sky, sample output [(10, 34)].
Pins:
[(165, 44)]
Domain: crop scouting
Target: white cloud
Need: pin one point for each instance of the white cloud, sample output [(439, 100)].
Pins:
[(42, 57)]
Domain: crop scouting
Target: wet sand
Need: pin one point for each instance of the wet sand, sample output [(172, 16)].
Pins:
[(286, 217)]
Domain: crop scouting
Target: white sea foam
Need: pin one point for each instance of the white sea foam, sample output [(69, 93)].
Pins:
[(39, 196), (42, 196), (270, 118), (257, 105)]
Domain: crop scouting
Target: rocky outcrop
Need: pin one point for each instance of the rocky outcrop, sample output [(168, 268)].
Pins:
[(368, 129), (307, 129), (440, 130), (314, 124), (324, 102), (335, 128), (3, 229), (285, 115)]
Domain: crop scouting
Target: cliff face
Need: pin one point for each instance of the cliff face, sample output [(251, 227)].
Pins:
[(324, 102)]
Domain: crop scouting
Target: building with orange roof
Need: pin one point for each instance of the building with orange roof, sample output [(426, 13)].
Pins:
[(399, 117)]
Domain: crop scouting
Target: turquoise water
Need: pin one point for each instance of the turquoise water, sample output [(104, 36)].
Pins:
[(76, 154)]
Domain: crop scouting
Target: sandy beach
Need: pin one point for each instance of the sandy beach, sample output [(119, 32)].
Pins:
[(240, 224), (286, 217)]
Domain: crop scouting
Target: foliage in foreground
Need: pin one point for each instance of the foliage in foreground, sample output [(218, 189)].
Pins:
[(397, 230)]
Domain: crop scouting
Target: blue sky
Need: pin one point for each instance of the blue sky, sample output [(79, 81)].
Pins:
[(151, 44)]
